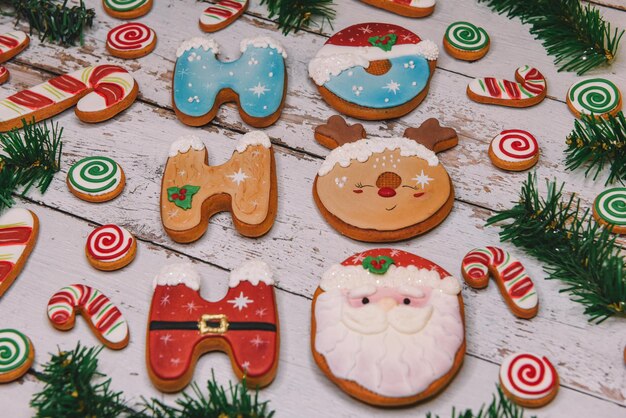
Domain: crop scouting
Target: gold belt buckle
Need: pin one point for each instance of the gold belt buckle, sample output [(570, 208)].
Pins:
[(204, 327)]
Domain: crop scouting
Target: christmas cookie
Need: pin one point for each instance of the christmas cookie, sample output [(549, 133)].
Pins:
[(99, 93), (466, 41), (529, 89), (388, 327), (336, 132), (127, 9), (374, 71), (516, 287), (11, 44), (18, 233), (184, 326), (529, 380), (594, 96), (387, 189), (514, 150), (409, 8), (103, 317), (131, 40), (222, 14), (16, 355), (193, 191), (257, 81), (96, 179), (110, 247), (609, 209)]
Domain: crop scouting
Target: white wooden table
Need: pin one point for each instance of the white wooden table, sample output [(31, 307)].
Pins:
[(301, 246)]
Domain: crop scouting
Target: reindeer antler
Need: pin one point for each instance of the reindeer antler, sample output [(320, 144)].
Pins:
[(433, 136), (336, 132)]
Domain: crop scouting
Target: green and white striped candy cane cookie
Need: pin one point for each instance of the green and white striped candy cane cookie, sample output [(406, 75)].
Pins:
[(466, 36), (124, 5), (610, 206), (95, 176), (594, 95)]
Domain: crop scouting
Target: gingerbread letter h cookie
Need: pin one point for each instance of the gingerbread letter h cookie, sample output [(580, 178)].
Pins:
[(192, 191)]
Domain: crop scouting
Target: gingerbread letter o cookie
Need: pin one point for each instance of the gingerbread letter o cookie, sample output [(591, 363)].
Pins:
[(183, 326), (529, 89), (529, 380), (18, 233), (110, 247), (11, 44), (408, 8), (16, 355), (374, 71), (514, 150), (388, 327)]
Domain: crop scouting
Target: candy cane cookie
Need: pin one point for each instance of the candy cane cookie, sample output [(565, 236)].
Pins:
[(408, 8), (529, 380), (529, 89), (16, 355), (99, 93), (466, 41), (103, 317), (11, 44), (131, 40), (609, 209), (96, 179), (516, 287), (514, 150), (127, 9), (222, 14), (18, 233), (594, 96), (110, 247)]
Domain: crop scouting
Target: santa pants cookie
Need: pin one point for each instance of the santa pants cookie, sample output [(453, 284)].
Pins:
[(18, 233), (16, 355)]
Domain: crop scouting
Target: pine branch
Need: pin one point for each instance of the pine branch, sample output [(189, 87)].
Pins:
[(596, 143), (500, 407), (576, 35), (575, 249), (294, 15)]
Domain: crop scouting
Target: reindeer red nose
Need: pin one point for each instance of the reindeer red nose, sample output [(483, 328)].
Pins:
[(387, 184), (386, 192)]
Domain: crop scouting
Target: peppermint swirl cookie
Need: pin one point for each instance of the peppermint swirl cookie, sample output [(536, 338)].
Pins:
[(131, 40), (466, 41), (96, 179), (127, 9), (529, 380), (514, 150), (594, 96), (16, 355), (110, 247), (609, 209)]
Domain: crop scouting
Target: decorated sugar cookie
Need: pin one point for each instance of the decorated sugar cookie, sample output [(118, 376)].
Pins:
[(110, 247), (466, 41), (609, 209), (597, 96), (99, 93), (386, 189), (514, 150), (16, 355), (18, 233), (222, 14), (184, 326), (256, 81), (127, 9), (388, 327), (103, 317), (518, 290), (409, 8), (131, 40), (192, 191), (374, 71), (529, 380), (96, 179), (529, 89), (11, 44)]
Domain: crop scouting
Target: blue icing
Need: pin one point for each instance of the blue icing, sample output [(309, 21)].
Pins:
[(258, 76), (404, 81)]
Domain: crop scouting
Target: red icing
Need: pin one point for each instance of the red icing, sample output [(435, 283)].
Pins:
[(531, 374), (400, 259), (8, 41), (68, 84), (512, 89), (5, 269), (102, 71), (492, 87), (15, 235), (111, 93), (359, 35), (30, 99)]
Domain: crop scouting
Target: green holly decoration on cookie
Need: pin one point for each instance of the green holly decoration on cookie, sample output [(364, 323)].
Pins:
[(377, 265), (385, 42), (181, 196)]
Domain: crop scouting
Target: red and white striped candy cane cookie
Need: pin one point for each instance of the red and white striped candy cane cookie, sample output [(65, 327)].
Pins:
[(222, 14), (529, 89), (514, 150), (408, 8), (18, 233), (11, 44), (131, 40), (110, 247), (104, 318), (99, 93), (528, 379), (516, 287)]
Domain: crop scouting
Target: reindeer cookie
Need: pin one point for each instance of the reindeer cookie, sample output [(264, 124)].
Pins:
[(183, 326), (192, 191), (11, 44), (385, 189)]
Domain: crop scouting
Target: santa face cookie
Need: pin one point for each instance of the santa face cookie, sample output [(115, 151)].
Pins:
[(374, 71), (388, 327), (408, 8), (18, 233)]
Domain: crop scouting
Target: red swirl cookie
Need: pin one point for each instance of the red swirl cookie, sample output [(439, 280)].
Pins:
[(514, 150), (131, 40), (529, 380), (110, 247)]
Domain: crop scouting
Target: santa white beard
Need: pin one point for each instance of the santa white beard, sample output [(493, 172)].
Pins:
[(394, 354)]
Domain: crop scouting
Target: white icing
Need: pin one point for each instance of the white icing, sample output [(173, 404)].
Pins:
[(331, 60), (17, 217), (362, 150), (254, 271), (423, 3), (184, 143), (262, 42), (253, 138), (355, 277), (204, 43), (175, 274), (539, 385)]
